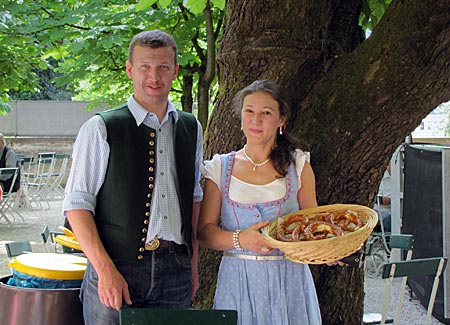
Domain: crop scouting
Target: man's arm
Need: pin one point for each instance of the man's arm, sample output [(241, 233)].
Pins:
[(90, 160), (111, 284), (198, 195)]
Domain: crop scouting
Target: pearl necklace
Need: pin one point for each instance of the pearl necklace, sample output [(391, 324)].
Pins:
[(252, 162)]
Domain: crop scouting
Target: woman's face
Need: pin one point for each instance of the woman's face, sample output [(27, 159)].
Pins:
[(261, 118)]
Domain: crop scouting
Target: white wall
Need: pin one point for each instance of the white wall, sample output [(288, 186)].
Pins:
[(45, 118)]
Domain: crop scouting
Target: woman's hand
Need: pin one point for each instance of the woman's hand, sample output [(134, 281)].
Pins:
[(252, 239)]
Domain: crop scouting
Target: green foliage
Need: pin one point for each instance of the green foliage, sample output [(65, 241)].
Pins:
[(4, 108), (444, 108), (371, 13), (89, 40), (17, 54), (144, 4), (46, 89)]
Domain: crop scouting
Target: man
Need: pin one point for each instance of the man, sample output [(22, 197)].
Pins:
[(8, 159), (133, 194)]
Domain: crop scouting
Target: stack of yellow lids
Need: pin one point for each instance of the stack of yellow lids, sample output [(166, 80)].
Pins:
[(68, 239), (50, 265)]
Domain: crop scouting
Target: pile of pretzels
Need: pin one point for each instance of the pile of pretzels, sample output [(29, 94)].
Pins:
[(300, 227)]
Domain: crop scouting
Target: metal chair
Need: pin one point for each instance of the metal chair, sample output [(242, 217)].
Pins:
[(398, 244), (27, 172), (141, 316), (16, 248), (7, 199), (378, 247), (58, 174), (48, 237), (39, 186), (409, 267)]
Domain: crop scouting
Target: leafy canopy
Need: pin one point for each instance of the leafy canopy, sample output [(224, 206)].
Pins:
[(88, 40)]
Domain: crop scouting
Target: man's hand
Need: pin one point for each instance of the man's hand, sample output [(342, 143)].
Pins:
[(113, 289)]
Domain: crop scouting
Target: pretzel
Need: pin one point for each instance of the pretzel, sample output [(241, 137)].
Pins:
[(298, 231), (320, 230), (346, 219), (282, 229)]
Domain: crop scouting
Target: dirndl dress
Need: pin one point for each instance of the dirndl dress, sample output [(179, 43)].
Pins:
[(263, 292)]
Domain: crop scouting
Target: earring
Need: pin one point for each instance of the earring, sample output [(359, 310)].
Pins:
[(241, 128), (281, 129)]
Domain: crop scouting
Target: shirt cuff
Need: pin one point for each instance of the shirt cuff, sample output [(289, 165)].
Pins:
[(79, 201), (198, 194)]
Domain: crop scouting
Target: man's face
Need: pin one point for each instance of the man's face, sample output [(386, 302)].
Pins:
[(152, 71)]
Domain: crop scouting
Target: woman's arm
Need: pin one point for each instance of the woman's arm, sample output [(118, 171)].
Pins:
[(209, 233), (306, 195)]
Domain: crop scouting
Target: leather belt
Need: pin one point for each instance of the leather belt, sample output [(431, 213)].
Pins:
[(157, 243), (256, 257)]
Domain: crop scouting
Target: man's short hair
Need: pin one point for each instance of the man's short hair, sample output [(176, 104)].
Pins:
[(154, 39)]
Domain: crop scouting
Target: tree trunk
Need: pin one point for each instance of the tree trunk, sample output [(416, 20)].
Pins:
[(353, 103), (207, 69), (186, 97)]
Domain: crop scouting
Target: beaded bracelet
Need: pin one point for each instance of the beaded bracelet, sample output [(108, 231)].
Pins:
[(236, 239)]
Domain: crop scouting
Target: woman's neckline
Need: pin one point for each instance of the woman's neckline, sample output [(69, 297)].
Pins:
[(252, 184)]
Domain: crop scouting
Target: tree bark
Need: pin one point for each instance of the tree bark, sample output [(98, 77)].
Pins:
[(207, 69), (186, 97), (353, 101)]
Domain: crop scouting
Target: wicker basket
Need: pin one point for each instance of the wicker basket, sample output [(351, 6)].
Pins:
[(324, 250)]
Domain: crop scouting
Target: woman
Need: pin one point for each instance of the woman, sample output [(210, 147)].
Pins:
[(243, 192)]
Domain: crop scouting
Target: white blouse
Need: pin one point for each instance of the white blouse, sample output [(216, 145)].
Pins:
[(247, 193)]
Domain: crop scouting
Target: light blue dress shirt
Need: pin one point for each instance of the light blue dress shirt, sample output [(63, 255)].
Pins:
[(90, 161)]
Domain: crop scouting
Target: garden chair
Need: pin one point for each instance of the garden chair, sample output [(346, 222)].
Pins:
[(17, 248), (7, 202), (48, 237), (379, 248), (403, 269), (39, 186), (57, 176)]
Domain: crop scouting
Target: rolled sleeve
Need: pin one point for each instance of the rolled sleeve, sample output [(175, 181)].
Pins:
[(89, 164), (79, 201)]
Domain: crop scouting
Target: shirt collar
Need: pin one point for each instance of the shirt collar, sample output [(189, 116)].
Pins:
[(139, 113)]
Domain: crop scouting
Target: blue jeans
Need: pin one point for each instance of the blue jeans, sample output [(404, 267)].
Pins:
[(161, 279)]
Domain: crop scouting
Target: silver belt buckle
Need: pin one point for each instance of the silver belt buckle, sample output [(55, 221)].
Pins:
[(152, 244)]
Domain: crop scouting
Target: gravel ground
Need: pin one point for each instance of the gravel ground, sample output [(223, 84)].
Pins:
[(413, 312)]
